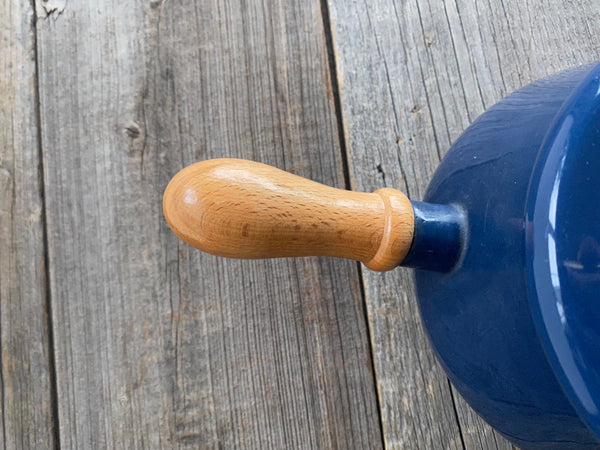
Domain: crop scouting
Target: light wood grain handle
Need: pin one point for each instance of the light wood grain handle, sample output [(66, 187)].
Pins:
[(244, 209)]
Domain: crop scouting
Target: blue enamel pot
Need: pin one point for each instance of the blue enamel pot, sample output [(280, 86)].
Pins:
[(506, 247), (516, 322)]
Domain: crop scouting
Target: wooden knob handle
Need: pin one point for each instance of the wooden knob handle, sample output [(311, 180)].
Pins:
[(244, 209)]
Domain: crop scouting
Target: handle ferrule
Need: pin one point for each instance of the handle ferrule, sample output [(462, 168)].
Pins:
[(397, 231)]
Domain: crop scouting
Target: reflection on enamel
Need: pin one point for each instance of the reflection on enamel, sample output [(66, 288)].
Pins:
[(561, 313), (575, 265), (553, 257), (554, 275), (563, 352)]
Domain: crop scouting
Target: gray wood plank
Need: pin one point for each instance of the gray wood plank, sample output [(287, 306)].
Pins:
[(412, 76), (156, 344), (26, 414)]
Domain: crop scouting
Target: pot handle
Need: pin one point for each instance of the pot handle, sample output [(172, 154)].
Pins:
[(244, 209)]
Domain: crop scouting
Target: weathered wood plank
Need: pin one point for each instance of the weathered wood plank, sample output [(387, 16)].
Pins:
[(384, 103), (26, 414), (412, 76), (156, 344)]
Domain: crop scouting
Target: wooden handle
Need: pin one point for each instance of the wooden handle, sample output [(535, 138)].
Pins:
[(244, 209)]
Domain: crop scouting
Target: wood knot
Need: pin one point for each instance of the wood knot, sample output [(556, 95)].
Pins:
[(54, 7), (136, 139), (133, 131), (429, 38)]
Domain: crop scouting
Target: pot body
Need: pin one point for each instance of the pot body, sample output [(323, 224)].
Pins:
[(479, 316)]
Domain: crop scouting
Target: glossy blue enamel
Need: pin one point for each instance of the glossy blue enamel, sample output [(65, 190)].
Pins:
[(494, 320), (563, 248), (438, 237)]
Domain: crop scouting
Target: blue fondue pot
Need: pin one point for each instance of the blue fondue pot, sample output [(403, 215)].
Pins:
[(516, 323), (506, 247)]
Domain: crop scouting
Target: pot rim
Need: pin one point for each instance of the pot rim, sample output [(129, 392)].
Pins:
[(574, 359)]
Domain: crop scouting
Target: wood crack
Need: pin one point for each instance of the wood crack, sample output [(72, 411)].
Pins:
[(346, 161), (44, 219)]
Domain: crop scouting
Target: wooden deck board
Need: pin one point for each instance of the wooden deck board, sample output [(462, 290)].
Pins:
[(26, 406)]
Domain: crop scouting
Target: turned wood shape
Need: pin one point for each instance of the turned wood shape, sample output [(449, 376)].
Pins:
[(244, 209)]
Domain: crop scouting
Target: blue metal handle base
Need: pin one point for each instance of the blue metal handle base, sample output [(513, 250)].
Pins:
[(440, 232)]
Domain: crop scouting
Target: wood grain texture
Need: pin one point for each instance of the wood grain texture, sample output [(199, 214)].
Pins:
[(156, 344), (26, 412), (244, 209), (412, 76)]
